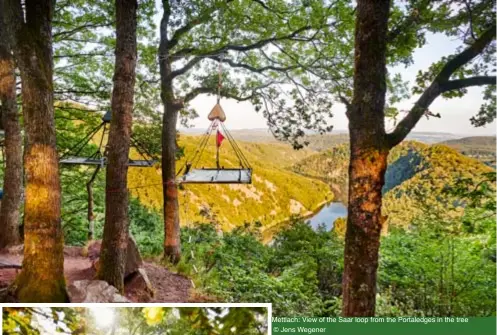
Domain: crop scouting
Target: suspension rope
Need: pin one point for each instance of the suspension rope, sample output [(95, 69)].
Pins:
[(241, 157), (99, 152), (139, 146), (201, 149), (142, 151), (235, 148), (203, 140), (216, 124), (195, 158), (85, 139), (220, 77)]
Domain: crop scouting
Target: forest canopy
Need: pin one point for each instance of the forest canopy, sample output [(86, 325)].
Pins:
[(135, 320)]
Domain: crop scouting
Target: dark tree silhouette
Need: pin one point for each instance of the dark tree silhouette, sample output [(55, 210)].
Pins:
[(12, 182)]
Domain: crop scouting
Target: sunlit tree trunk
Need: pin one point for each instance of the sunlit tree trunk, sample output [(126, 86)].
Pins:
[(368, 159), (115, 239), (42, 275), (12, 182), (172, 244)]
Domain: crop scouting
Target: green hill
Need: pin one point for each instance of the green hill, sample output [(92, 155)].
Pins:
[(417, 177), (275, 194), (329, 166)]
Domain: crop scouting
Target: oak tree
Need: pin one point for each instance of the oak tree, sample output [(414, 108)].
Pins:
[(386, 33), (287, 70)]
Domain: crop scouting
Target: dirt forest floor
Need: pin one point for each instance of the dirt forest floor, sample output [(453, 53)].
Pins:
[(168, 286)]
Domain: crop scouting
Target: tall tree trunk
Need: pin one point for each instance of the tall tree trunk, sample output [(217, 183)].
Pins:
[(172, 243), (12, 182), (42, 275), (115, 239), (368, 159)]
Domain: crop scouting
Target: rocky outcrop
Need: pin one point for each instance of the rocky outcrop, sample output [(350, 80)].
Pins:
[(139, 286), (86, 291), (133, 257)]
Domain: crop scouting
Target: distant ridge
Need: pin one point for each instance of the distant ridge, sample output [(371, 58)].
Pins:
[(264, 135), (479, 147)]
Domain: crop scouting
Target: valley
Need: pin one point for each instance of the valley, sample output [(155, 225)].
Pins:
[(276, 192), (416, 178)]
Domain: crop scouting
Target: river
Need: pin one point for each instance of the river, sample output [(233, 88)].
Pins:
[(327, 215)]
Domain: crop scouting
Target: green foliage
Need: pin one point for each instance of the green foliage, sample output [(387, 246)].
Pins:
[(84, 43), (443, 265), (299, 272), (287, 72), (426, 272), (432, 268), (487, 112), (135, 320), (42, 320), (460, 21), (146, 226)]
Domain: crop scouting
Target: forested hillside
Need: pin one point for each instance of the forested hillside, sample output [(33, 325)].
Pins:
[(274, 195), (417, 176)]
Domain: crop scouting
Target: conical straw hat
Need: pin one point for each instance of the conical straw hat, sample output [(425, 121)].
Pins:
[(217, 113)]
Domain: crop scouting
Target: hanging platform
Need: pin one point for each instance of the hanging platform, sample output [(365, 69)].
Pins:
[(99, 157), (191, 173), (103, 161), (217, 176)]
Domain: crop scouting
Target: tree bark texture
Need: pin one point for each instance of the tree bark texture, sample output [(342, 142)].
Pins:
[(368, 159), (42, 275), (172, 242), (115, 238), (12, 182)]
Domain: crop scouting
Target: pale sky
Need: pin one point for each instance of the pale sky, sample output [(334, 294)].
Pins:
[(455, 112)]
